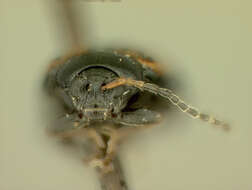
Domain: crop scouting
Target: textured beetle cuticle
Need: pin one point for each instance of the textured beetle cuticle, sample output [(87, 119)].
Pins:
[(98, 90)]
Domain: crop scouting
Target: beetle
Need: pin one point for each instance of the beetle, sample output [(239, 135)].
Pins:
[(108, 94), (100, 88)]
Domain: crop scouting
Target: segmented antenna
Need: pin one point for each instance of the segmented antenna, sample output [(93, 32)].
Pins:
[(191, 111), (173, 98)]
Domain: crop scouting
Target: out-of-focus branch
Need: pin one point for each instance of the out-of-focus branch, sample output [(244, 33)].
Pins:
[(71, 22), (114, 179), (68, 23)]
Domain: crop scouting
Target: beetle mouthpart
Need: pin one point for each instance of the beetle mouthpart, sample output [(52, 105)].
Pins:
[(96, 113), (95, 110)]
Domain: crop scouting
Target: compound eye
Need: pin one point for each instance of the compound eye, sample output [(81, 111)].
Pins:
[(87, 87), (103, 84)]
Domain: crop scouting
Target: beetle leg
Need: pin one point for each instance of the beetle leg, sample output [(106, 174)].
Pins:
[(115, 137), (105, 161), (134, 121), (68, 126), (96, 159), (71, 129), (138, 118), (169, 95), (106, 154), (79, 132), (112, 145)]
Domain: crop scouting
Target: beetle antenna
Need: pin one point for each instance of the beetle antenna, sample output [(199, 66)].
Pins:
[(172, 97)]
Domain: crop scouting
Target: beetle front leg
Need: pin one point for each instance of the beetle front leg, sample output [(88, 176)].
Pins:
[(79, 129), (68, 126), (132, 121), (138, 118)]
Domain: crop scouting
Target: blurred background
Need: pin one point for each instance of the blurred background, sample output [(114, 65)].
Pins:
[(205, 45)]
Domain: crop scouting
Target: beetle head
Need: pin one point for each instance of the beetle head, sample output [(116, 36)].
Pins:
[(88, 97)]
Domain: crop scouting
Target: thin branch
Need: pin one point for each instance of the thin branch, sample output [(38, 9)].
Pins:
[(72, 22), (68, 23), (112, 180)]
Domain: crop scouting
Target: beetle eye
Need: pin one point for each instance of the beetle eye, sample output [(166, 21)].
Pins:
[(80, 115), (87, 86)]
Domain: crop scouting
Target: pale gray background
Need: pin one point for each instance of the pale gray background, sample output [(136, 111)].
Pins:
[(206, 44)]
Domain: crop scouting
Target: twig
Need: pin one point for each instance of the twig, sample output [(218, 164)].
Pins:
[(114, 179), (72, 23)]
